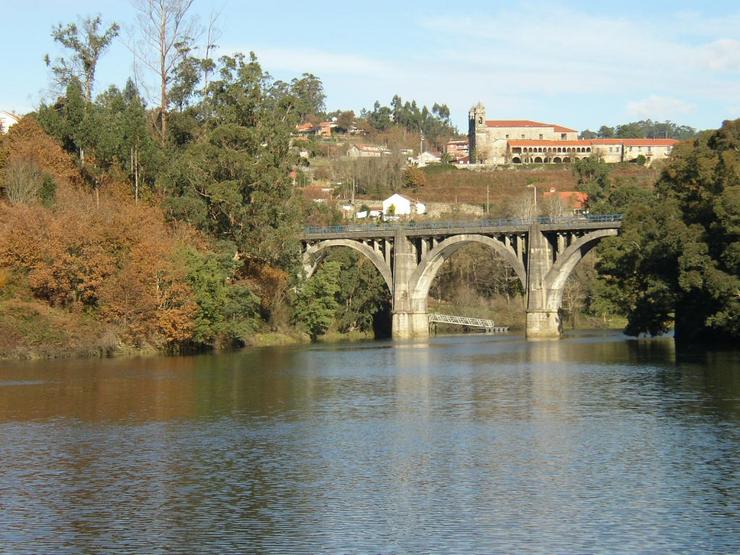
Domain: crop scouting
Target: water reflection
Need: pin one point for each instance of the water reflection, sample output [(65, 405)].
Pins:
[(482, 444)]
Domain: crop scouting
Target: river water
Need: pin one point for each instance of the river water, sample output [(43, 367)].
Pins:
[(480, 444)]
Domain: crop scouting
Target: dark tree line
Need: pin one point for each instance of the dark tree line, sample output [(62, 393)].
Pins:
[(676, 263), (643, 129)]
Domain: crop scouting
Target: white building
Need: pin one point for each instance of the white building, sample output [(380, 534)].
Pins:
[(402, 206), (7, 120), (426, 158), (367, 151)]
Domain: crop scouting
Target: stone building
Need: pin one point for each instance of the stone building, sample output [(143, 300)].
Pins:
[(532, 142)]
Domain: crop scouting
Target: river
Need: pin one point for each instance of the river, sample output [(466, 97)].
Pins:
[(476, 444)]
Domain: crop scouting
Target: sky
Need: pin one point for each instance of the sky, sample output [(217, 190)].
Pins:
[(578, 64)]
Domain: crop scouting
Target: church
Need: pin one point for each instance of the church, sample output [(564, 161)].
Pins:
[(494, 142)]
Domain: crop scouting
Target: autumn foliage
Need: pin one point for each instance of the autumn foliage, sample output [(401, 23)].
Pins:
[(109, 257)]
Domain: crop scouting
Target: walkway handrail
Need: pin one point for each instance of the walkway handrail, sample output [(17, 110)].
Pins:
[(469, 224), (488, 325), (462, 320)]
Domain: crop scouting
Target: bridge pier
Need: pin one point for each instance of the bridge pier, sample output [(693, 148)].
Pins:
[(410, 318), (407, 325), (543, 324), (542, 321)]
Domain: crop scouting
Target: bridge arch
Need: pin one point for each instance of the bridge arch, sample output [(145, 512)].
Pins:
[(567, 261), (424, 274), (315, 253)]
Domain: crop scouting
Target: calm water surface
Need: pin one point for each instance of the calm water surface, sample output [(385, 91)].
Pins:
[(457, 444)]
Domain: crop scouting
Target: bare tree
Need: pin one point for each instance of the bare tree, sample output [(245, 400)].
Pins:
[(213, 33), (87, 45), (166, 33), (23, 180)]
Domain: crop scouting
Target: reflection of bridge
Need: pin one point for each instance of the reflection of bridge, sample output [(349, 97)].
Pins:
[(542, 252), (466, 321)]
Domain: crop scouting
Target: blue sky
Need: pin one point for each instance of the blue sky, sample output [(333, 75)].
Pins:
[(579, 64)]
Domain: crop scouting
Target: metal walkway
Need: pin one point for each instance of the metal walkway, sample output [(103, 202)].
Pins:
[(487, 325)]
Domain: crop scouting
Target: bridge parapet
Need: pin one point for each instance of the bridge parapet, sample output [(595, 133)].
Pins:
[(426, 228)]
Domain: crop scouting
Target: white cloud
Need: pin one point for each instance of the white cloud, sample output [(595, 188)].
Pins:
[(659, 108), (721, 55), (560, 49)]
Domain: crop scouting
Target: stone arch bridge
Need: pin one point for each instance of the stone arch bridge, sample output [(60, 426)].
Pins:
[(542, 252)]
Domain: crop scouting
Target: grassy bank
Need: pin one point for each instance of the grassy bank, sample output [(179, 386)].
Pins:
[(33, 330)]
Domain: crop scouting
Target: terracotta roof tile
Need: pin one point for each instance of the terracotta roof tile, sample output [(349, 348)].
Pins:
[(526, 123)]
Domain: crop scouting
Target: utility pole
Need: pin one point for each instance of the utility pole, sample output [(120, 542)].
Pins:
[(534, 190)]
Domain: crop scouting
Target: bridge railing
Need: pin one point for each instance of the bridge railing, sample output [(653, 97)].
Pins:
[(470, 224)]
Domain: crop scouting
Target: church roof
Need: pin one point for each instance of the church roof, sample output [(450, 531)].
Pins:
[(526, 123), (635, 142)]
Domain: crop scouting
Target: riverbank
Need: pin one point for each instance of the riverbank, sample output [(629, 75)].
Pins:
[(31, 330)]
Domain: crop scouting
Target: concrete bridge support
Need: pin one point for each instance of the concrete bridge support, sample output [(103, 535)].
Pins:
[(543, 322), (410, 317)]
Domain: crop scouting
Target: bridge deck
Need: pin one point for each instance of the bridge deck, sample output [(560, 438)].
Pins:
[(427, 228)]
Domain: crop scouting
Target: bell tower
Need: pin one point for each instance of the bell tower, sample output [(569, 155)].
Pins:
[(476, 122)]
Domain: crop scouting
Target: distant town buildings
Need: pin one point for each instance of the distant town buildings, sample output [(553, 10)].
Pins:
[(424, 159), (533, 142), (367, 151), (458, 151), (8, 120)]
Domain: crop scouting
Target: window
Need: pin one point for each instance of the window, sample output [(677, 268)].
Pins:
[(541, 136), (507, 135), (563, 136), (522, 135)]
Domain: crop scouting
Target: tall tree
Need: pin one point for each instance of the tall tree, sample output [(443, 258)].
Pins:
[(167, 33), (309, 95), (87, 44), (234, 180), (677, 259)]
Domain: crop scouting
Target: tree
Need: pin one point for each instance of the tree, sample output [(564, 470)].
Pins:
[(414, 178), (316, 303), (677, 259), (87, 44), (606, 132), (22, 181), (593, 178), (167, 33), (309, 95), (234, 182), (345, 120), (227, 312), (123, 138), (362, 291)]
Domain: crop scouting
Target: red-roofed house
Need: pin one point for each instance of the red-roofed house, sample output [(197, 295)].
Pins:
[(458, 149)]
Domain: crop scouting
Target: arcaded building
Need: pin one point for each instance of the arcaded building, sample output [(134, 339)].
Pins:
[(496, 142)]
